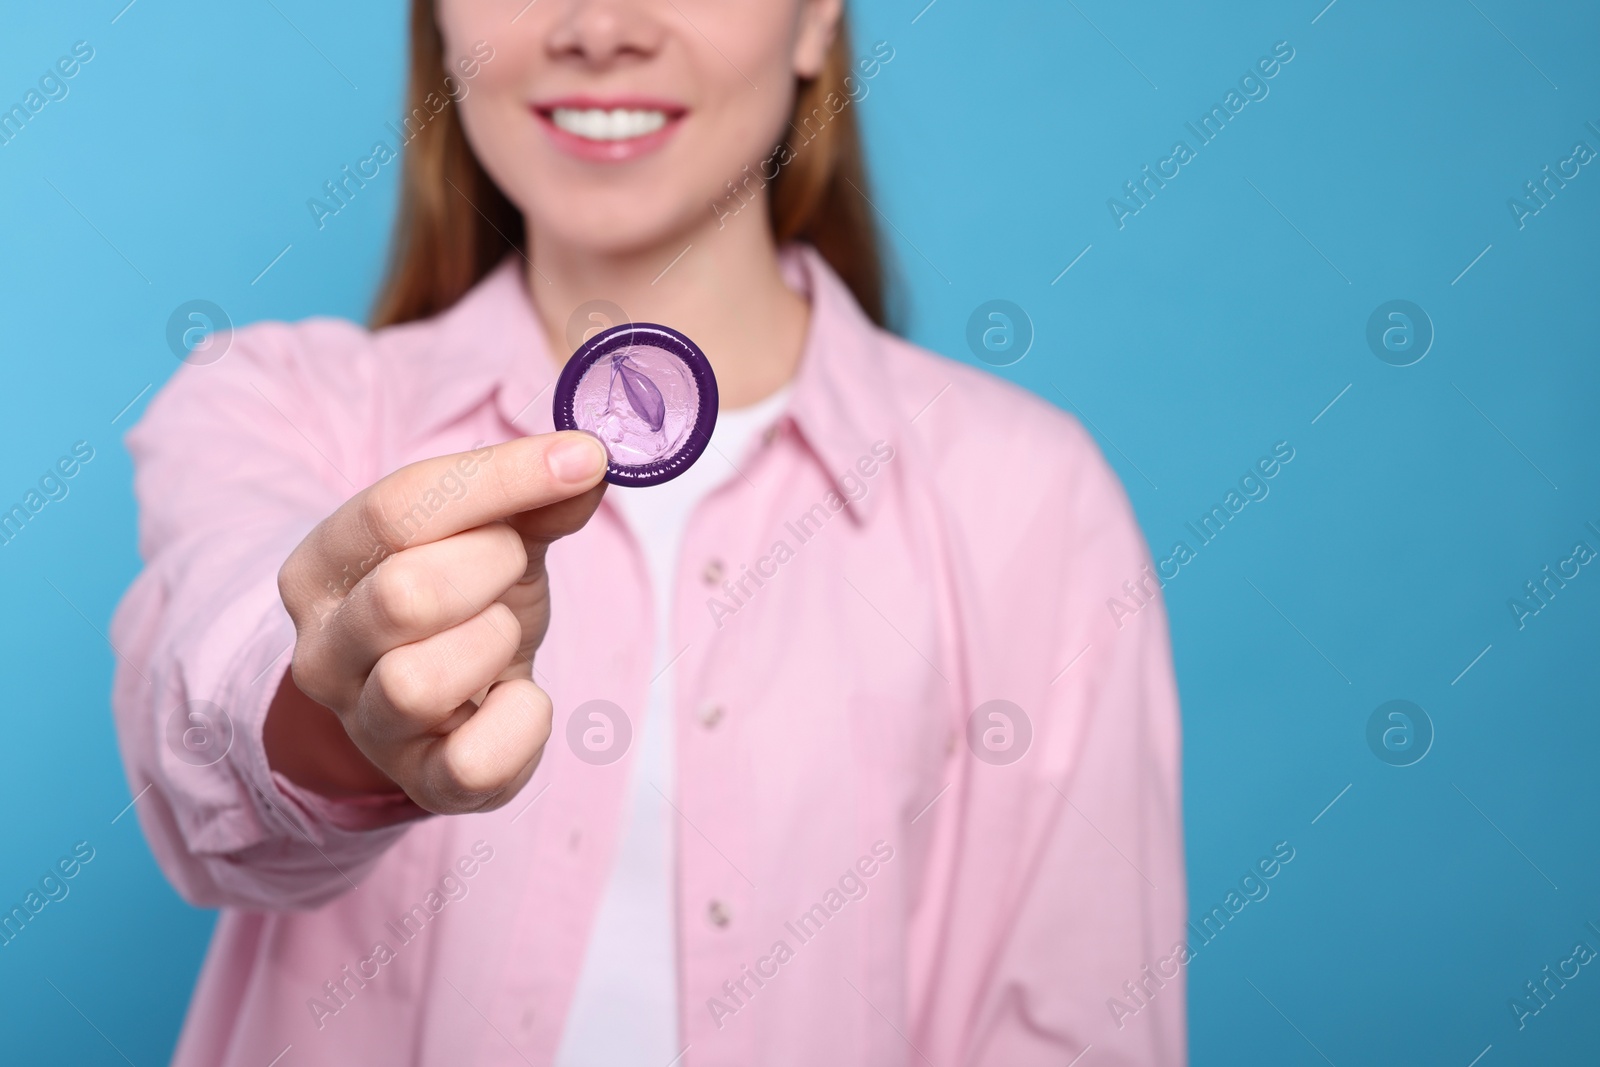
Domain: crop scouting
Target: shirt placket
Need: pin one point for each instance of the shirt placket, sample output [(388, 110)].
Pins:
[(569, 846), (715, 882)]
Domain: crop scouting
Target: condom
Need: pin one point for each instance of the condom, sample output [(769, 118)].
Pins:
[(648, 393)]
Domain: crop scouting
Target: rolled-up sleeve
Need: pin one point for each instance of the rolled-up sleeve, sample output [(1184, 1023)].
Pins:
[(234, 463)]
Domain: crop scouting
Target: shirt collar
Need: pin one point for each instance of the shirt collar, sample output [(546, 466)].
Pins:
[(492, 343), (842, 401)]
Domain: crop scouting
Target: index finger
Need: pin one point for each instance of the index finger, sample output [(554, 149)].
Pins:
[(437, 498)]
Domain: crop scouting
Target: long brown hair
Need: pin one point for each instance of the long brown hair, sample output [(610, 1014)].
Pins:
[(454, 225)]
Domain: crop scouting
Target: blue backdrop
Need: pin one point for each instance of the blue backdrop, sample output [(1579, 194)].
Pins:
[(1239, 295)]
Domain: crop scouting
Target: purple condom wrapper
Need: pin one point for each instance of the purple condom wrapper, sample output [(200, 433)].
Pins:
[(648, 393)]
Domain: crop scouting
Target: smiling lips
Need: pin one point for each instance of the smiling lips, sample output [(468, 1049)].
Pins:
[(609, 131)]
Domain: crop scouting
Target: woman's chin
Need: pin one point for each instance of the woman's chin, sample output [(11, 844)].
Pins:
[(614, 230)]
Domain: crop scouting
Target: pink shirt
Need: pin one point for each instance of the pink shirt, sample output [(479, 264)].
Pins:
[(862, 877)]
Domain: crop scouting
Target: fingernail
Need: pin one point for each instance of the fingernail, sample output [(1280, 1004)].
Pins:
[(576, 458)]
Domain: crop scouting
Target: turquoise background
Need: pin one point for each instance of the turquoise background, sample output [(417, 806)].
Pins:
[(1224, 317)]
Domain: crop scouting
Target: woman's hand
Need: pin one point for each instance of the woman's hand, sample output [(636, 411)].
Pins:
[(417, 622)]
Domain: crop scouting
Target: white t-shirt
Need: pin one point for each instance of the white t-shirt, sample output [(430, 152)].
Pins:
[(625, 1009)]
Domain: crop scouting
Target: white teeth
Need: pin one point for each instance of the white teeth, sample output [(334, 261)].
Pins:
[(615, 124)]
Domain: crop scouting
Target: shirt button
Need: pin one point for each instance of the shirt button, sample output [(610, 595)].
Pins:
[(713, 572), (719, 914), (710, 715), (770, 434)]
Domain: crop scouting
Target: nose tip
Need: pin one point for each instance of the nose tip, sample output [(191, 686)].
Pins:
[(600, 32)]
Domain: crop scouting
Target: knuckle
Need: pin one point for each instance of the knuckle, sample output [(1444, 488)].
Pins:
[(469, 776), (407, 683), (535, 701), (404, 597), (510, 547), (289, 580), (542, 714), (311, 676), (391, 515), (503, 620), (376, 506), (303, 674), (294, 586)]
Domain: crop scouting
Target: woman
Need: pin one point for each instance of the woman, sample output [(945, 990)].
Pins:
[(826, 752)]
